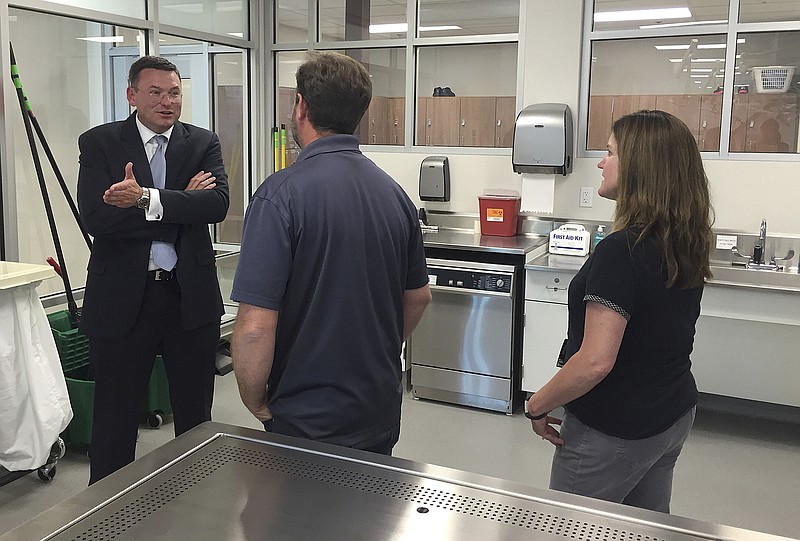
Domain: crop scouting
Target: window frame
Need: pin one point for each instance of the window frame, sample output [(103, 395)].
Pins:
[(412, 43), (731, 30)]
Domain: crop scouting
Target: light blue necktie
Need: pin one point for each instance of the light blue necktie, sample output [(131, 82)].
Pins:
[(164, 255)]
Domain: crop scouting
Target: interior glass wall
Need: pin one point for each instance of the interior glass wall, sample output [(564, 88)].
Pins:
[(66, 68), (229, 17), (439, 18), (129, 8), (745, 100), (456, 108), (360, 20)]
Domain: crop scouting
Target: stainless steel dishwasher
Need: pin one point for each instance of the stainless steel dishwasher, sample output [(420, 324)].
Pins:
[(465, 349)]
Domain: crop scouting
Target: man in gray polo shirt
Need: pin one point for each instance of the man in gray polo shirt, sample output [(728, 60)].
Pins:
[(331, 276)]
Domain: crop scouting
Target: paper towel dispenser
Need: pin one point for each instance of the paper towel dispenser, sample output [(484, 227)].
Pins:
[(434, 179), (543, 139)]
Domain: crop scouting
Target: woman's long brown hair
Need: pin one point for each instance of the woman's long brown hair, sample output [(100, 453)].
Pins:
[(662, 188)]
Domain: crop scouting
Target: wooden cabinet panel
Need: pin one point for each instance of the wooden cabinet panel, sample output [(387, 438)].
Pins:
[(599, 129), (397, 122), (624, 105), (764, 123), (506, 115), (443, 121), (476, 128), (378, 121), (421, 135), (686, 107), (738, 141), (474, 121), (710, 122), (772, 123)]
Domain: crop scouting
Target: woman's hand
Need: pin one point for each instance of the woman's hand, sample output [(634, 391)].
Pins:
[(542, 428)]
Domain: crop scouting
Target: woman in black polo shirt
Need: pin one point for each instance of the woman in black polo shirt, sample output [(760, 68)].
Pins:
[(627, 387)]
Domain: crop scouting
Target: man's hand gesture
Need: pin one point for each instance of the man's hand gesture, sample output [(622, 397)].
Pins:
[(124, 193)]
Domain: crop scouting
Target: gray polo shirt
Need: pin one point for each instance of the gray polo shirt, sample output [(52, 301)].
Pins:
[(332, 242)]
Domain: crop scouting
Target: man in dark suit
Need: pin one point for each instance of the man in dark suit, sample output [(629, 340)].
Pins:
[(147, 189)]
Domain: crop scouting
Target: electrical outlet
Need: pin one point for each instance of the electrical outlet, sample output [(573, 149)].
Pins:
[(587, 193)]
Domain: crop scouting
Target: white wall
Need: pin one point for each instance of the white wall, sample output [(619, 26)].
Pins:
[(743, 192)]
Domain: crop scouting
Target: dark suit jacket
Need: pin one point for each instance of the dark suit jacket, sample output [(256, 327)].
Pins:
[(117, 271)]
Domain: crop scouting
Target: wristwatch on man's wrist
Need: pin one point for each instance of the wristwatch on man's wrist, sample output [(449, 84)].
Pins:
[(531, 416), (144, 200)]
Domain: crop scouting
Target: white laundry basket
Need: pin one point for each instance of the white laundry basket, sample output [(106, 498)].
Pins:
[(773, 79)]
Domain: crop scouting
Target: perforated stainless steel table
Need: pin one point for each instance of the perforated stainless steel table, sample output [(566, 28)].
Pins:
[(219, 482)]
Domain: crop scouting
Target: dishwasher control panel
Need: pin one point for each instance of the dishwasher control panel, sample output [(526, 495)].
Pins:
[(467, 279)]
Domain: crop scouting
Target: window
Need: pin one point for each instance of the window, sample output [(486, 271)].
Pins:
[(291, 21), (440, 102), (130, 8), (68, 98), (456, 108), (349, 20), (652, 55), (228, 17), (467, 18)]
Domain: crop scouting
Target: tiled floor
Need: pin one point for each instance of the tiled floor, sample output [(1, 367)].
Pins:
[(734, 470)]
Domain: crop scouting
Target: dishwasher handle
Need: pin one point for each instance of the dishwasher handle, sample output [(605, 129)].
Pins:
[(469, 291)]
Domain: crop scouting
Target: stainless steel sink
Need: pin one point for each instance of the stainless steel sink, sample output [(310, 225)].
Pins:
[(727, 273)]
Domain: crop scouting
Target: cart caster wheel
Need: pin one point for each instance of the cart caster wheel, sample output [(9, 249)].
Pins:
[(155, 420), (47, 473), (58, 450)]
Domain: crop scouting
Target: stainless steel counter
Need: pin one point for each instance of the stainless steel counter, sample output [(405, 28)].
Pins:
[(224, 482), (725, 274), (549, 261), (467, 240)]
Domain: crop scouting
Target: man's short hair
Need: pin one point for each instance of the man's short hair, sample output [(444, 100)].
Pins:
[(150, 62), (336, 89)]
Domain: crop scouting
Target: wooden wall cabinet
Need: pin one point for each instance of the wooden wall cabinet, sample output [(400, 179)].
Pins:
[(764, 123), (710, 122), (383, 123), (506, 117), (397, 121), (474, 121), (477, 125), (759, 122)]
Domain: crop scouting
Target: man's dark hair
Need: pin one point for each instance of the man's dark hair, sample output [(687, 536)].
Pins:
[(150, 62), (337, 91)]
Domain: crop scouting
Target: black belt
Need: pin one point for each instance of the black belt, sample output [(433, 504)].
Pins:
[(161, 275)]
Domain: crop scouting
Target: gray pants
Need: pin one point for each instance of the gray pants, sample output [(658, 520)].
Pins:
[(633, 472)]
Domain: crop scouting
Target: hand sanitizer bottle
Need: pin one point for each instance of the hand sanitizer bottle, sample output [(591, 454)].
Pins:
[(598, 236)]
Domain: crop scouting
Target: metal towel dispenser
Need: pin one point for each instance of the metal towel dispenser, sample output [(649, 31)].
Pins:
[(434, 179), (543, 139)]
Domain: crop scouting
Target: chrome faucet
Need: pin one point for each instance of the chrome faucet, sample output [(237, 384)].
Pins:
[(761, 248), (757, 261)]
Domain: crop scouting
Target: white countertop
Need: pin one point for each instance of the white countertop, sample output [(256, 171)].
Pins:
[(14, 274)]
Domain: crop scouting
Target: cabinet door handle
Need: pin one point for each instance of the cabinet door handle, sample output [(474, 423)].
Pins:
[(463, 122), (499, 122), (555, 288), (752, 124), (374, 137)]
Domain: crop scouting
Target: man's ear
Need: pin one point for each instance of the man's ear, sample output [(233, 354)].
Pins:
[(300, 106)]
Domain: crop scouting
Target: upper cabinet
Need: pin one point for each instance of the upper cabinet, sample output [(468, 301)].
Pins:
[(469, 121), (764, 123), (760, 122)]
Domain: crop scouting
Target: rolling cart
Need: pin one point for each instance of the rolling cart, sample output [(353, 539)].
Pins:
[(73, 349), (33, 405)]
